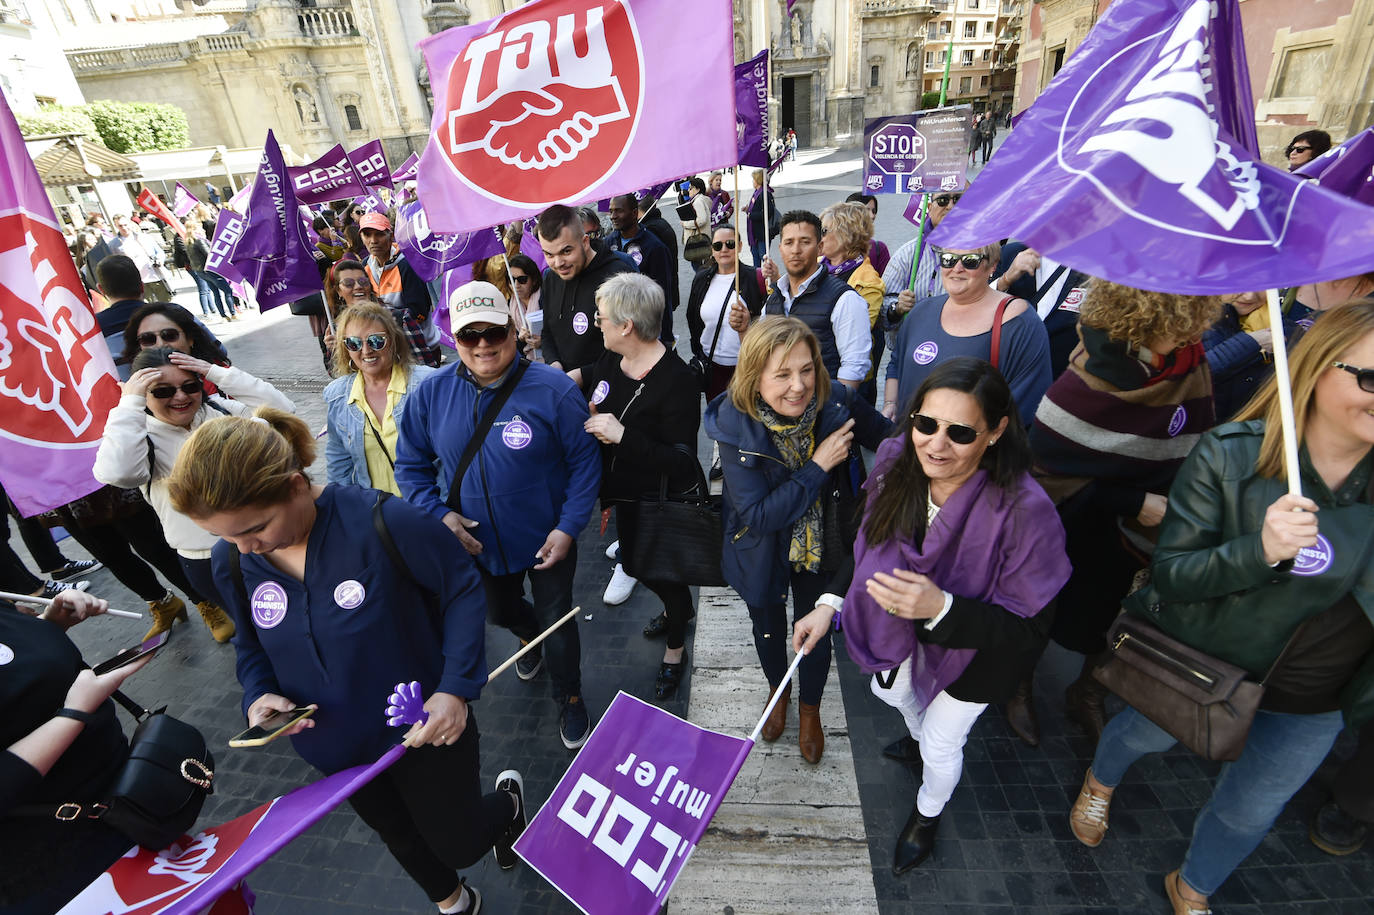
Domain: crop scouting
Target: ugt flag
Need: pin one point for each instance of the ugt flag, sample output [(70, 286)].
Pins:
[(1137, 165), (568, 101), (183, 201), (625, 817), (751, 111), (57, 378), (271, 251), (330, 177)]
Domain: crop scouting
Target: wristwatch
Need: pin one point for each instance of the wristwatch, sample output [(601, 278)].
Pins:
[(75, 714)]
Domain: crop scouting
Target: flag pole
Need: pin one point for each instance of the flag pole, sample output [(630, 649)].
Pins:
[(45, 602), (1285, 386), (777, 696), (739, 236), (925, 196), (529, 646)]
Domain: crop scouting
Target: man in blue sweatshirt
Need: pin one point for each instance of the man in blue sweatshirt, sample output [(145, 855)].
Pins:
[(516, 499)]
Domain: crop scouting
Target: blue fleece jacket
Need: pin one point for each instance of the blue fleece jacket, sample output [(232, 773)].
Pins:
[(538, 470)]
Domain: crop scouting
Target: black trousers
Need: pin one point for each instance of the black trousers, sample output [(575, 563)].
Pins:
[(677, 608), (430, 811), (202, 579), (773, 635), (1102, 574), (551, 590), (1354, 785), (114, 544)]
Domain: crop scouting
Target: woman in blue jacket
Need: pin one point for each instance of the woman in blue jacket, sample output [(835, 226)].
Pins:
[(377, 374), (791, 503), (339, 595)]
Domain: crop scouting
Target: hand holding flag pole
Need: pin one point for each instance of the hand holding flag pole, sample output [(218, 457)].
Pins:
[(45, 602), (777, 696)]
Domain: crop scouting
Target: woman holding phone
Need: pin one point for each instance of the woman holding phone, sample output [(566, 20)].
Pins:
[(337, 578)]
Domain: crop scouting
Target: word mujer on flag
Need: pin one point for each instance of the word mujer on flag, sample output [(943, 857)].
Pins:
[(569, 101), (431, 253), (271, 251), (183, 201), (57, 377), (1137, 164), (751, 111), (330, 177), (150, 202), (623, 820)]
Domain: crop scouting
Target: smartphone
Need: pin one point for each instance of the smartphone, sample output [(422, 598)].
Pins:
[(271, 728), (130, 655)]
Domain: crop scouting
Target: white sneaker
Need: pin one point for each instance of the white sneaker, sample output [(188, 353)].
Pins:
[(612, 550), (620, 588)]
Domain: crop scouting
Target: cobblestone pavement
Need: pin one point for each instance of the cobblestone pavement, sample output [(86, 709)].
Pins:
[(1004, 844)]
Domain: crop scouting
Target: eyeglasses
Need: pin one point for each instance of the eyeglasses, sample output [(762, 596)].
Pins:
[(355, 344), (958, 433), (495, 335), (167, 335), (970, 261), (1363, 377), (945, 200), (520, 280), (351, 282), (168, 391), (1293, 149), (723, 245)]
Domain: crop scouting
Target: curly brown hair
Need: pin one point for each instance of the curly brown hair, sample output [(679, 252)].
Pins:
[(1138, 317)]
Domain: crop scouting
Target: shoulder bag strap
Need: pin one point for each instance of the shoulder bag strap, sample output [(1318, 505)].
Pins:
[(130, 706), (720, 322), (997, 329), (1058, 272), (236, 567), (391, 462), (389, 543), (479, 433)]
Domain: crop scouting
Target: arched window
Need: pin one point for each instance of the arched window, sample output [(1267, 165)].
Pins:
[(354, 121)]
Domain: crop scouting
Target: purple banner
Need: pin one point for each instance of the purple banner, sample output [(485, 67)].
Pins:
[(431, 253), (330, 177), (564, 101), (1135, 165), (918, 153), (451, 283), (370, 202), (272, 242), (530, 247), (369, 162), (183, 201), (751, 111), (228, 231), (408, 170), (623, 820), (1347, 169)]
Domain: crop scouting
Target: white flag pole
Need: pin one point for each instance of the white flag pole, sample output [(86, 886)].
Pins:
[(45, 602), (777, 696), (1284, 380)]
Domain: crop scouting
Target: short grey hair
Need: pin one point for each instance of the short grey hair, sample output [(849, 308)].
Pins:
[(635, 298)]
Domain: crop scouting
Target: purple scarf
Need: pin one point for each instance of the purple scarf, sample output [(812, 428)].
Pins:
[(843, 267), (1003, 547)]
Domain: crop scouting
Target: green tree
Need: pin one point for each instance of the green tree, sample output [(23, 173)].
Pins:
[(128, 127), (57, 119)]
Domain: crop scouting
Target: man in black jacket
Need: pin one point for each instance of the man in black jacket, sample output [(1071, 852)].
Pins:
[(648, 253), (568, 291)]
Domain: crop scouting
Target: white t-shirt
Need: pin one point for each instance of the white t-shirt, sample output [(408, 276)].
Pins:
[(727, 347)]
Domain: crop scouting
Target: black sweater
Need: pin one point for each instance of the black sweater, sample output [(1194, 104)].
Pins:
[(1008, 647), (570, 335)]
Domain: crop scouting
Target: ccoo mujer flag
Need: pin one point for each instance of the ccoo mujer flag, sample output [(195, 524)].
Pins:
[(565, 101)]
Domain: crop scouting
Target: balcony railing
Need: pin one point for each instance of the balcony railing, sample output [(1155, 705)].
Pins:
[(171, 52), (326, 23), (898, 7)]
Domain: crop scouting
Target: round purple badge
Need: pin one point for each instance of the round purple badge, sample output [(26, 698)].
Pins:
[(602, 389), (925, 353), (349, 594), (580, 323), (1315, 559), (636, 255), (268, 604), (1177, 421), (517, 434)]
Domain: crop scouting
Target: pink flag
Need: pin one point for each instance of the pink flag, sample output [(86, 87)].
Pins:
[(568, 101), (183, 201), (57, 378)]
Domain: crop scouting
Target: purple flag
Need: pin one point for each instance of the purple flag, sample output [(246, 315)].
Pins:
[(57, 378), (510, 138), (451, 283), (751, 111), (530, 247), (912, 213), (1347, 169), (431, 253), (1135, 165), (370, 163), (228, 229), (409, 168), (370, 202), (330, 177), (272, 242), (623, 820), (183, 201)]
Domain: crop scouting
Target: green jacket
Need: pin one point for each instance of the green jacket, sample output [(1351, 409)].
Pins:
[(1211, 587)]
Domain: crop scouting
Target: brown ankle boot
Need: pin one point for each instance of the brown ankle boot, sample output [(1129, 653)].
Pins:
[(221, 626), (812, 738), (777, 719), (1084, 701), (1021, 714), (166, 610)]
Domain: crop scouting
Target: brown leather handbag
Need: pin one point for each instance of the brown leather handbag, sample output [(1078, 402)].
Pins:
[(1206, 703)]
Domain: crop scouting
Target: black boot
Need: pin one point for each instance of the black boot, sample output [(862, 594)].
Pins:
[(1084, 701), (1336, 832), (915, 843), (1021, 714)]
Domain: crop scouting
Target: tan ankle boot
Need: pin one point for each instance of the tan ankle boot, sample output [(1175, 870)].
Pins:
[(221, 626), (165, 612), (811, 738), (777, 719)]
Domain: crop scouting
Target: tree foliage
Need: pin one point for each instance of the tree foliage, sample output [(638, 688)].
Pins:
[(930, 100), (125, 127), (57, 119)]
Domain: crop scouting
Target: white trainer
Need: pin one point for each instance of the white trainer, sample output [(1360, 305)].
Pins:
[(612, 550), (620, 588)]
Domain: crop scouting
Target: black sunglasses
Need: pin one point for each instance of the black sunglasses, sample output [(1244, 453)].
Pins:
[(970, 261), (1363, 377), (168, 391), (521, 280), (1293, 149), (958, 433), (721, 245), (495, 335), (355, 344), (945, 200), (168, 335)]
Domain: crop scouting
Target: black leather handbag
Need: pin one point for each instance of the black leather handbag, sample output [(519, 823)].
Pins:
[(673, 537)]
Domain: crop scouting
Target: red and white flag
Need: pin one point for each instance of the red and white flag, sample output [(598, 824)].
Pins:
[(148, 200), (57, 378)]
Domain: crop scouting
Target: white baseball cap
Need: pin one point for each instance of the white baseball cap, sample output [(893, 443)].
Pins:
[(477, 303)]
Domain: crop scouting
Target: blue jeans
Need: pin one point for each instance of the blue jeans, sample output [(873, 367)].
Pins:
[(758, 250), (1280, 755), (213, 294)]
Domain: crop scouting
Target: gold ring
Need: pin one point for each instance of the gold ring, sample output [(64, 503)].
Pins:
[(891, 611)]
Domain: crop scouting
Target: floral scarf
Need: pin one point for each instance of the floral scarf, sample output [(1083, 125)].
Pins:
[(795, 440)]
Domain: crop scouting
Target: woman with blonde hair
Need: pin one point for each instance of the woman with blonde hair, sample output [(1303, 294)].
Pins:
[(1274, 583), (324, 579), (791, 499), (846, 234), (376, 374)]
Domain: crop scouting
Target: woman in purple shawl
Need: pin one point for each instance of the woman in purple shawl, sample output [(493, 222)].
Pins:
[(959, 554)]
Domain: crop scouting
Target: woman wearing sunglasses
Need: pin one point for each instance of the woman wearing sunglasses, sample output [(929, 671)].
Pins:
[(347, 284), (1246, 572), (376, 374), (166, 324), (164, 402), (792, 476), (525, 308), (715, 344), (966, 321), (959, 553)]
